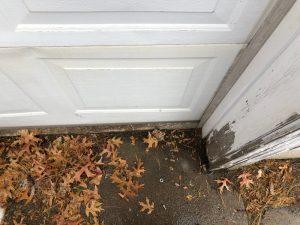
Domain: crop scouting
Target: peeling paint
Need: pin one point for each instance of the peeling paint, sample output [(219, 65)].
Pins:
[(263, 102), (222, 155), (220, 142), (292, 118)]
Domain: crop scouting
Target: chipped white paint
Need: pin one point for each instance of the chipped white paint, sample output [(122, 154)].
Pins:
[(268, 91), (134, 22), (280, 146)]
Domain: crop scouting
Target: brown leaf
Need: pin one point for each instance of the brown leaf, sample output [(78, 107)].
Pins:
[(286, 171), (85, 169), (93, 207), (26, 140), (90, 195), (147, 206), (151, 141), (56, 156), (126, 193), (96, 180), (224, 184), (106, 151), (116, 179), (136, 186), (138, 169), (23, 195), (114, 143), (38, 169), (245, 181)]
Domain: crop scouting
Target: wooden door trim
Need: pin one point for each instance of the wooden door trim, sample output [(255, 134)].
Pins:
[(245, 56)]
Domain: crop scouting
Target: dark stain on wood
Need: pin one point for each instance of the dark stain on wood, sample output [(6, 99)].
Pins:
[(220, 143)]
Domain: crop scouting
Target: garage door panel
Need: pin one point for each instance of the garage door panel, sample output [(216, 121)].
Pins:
[(15, 102), (51, 23), (144, 83), (126, 83), (108, 5), (102, 89)]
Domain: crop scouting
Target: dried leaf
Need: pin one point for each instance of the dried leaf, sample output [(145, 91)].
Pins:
[(151, 141), (224, 184), (136, 186), (138, 170), (96, 180), (114, 143), (84, 169), (147, 206), (259, 173), (126, 193), (93, 207), (107, 152), (189, 197), (159, 135), (245, 181)]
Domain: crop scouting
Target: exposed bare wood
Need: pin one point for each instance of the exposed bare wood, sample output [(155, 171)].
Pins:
[(276, 14)]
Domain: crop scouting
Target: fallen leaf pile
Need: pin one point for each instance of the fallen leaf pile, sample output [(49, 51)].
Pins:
[(177, 138), (123, 176), (57, 181), (264, 185), (172, 141), (62, 176)]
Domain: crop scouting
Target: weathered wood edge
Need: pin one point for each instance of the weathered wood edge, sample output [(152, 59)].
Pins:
[(245, 56), (280, 139)]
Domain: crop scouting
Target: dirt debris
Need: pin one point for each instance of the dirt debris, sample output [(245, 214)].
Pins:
[(57, 180), (264, 185)]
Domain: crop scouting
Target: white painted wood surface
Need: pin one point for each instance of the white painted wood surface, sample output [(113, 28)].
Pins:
[(102, 61), (268, 91), (84, 85), (127, 22)]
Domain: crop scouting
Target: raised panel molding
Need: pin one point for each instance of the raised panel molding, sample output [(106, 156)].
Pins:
[(15, 102), (127, 6), (51, 23), (127, 85), (174, 81), (117, 84)]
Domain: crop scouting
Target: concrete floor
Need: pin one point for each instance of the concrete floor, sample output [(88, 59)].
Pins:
[(284, 216), (171, 203), (164, 167)]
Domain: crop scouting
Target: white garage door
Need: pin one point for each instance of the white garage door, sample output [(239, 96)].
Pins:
[(128, 73)]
